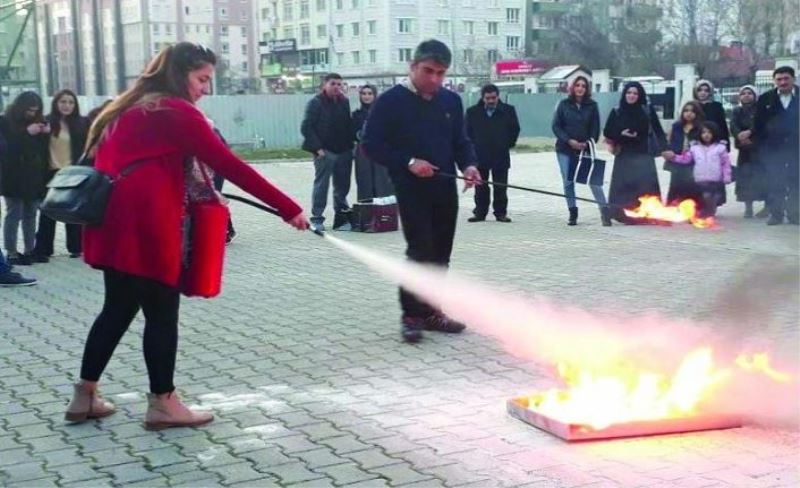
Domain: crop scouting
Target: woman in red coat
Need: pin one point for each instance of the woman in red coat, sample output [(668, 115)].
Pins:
[(147, 137)]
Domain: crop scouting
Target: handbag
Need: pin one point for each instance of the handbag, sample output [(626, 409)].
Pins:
[(589, 168), (379, 215), (653, 144), (79, 194), (205, 253)]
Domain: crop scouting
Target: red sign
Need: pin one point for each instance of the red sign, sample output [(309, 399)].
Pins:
[(519, 67)]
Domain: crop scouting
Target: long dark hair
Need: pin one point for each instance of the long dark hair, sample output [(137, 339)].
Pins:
[(165, 76), (699, 115), (72, 120), (21, 104), (710, 127)]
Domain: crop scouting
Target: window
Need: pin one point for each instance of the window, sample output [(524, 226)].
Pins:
[(244, 15), (491, 55), (156, 47), (469, 27), (223, 31), (467, 56), (372, 27), (156, 29), (305, 34), (404, 26), (443, 27), (339, 4), (186, 28), (223, 13), (288, 11), (320, 5), (244, 49), (404, 55), (356, 29), (340, 58), (512, 43), (354, 4), (288, 32), (304, 9), (492, 28), (512, 15), (168, 29), (373, 56), (264, 13), (186, 10), (244, 31), (322, 31), (208, 29), (226, 48), (244, 65), (356, 57), (340, 30)]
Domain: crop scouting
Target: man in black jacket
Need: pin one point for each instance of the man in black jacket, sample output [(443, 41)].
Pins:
[(328, 136), (494, 128), (775, 133)]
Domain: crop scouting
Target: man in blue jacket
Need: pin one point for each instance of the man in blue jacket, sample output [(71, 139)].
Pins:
[(416, 130)]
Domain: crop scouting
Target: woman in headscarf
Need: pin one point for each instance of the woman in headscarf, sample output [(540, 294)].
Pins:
[(713, 110), (627, 130), (372, 180), (751, 175)]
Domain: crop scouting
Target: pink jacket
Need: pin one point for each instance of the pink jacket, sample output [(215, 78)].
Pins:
[(712, 164)]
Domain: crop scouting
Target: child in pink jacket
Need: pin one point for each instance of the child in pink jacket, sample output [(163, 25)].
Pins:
[(712, 167)]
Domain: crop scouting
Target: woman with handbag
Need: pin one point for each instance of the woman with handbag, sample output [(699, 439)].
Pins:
[(23, 172), (636, 135), (576, 121), (147, 139), (684, 131), (372, 180), (66, 142), (751, 176)]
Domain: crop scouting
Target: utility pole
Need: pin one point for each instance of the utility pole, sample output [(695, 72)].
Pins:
[(99, 70), (76, 48), (119, 44)]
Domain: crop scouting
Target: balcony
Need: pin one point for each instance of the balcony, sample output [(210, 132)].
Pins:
[(551, 8)]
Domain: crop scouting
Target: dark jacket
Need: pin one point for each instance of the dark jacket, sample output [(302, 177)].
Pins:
[(359, 117), (77, 136), (639, 119), (327, 125), (573, 121), (24, 165), (677, 136), (742, 119), (775, 129), (493, 136), (402, 125), (715, 113)]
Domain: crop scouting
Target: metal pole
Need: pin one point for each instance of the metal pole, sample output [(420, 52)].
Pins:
[(76, 47)]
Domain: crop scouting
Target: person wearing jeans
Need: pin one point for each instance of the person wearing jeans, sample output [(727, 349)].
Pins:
[(23, 172), (575, 122), (327, 130)]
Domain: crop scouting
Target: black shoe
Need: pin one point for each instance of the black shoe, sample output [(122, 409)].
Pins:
[(411, 329), (503, 218), (10, 278), (775, 220), (605, 216), (475, 218), (573, 216), (39, 258), (74, 255), (230, 237), (441, 323), (19, 260)]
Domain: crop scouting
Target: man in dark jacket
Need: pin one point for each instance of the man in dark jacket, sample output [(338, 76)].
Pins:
[(494, 128), (328, 136), (775, 134), (416, 130)]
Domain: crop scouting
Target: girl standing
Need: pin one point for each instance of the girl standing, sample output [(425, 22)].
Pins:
[(712, 167), (23, 172), (66, 143), (751, 175), (627, 129), (683, 133)]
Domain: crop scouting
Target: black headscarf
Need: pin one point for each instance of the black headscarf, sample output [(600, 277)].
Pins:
[(642, 100)]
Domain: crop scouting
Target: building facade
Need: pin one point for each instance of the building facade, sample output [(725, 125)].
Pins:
[(17, 49), (98, 47), (373, 40)]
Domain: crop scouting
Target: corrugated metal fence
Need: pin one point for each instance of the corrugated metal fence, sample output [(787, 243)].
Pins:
[(273, 121)]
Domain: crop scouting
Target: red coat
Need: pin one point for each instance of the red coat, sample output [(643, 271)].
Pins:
[(142, 230)]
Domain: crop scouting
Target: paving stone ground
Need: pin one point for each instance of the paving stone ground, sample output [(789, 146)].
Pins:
[(301, 362)]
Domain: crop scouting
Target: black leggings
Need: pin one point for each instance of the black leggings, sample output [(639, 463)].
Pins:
[(125, 295)]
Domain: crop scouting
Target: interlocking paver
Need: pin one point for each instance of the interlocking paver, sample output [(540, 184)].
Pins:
[(301, 362)]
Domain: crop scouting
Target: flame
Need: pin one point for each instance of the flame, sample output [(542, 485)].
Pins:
[(598, 397), (651, 208)]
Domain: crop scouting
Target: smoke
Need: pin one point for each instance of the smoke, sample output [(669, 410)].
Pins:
[(548, 332)]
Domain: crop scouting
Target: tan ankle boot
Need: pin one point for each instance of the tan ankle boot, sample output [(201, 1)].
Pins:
[(87, 403), (165, 411)]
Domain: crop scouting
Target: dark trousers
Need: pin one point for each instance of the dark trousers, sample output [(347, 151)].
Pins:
[(46, 234), (218, 182), (339, 168), (782, 169), (482, 193), (125, 295), (428, 211)]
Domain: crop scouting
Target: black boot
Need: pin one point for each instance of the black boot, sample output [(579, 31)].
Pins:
[(605, 216), (573, 216)]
